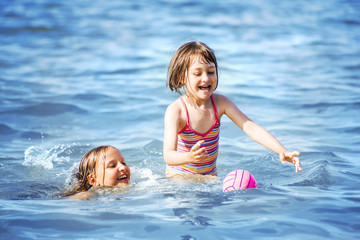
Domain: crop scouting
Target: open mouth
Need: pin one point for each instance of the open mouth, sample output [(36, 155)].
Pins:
[(205, 88), (123, 177)]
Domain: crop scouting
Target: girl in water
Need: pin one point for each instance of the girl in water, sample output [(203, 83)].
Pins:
[(192, 122), (101, 166)]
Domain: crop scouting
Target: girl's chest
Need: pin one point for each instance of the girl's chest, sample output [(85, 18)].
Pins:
[(201, 121)]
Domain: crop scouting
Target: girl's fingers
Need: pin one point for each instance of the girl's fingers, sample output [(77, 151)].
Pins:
[(197, 145), (201, 152), (199, 159), (296, 153), (297, 164), (282, 158), (292, 158)]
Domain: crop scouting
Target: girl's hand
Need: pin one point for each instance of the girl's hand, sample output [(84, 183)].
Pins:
[(291, 157), (198, 153)]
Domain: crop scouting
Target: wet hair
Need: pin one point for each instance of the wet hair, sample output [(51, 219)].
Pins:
[(183, 58), (87, 167)]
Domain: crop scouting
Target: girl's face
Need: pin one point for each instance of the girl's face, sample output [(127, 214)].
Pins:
[(112, 171), (201, 79)]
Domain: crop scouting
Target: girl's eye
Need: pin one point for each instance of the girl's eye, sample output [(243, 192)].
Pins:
[(197, 74), (124, 163)]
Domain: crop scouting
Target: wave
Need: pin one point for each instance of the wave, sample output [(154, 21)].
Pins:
[(328, 105), (27, 29), (320, 170), (30, 190), (46, 109), (346, 129), (6, 130), (91, 97)]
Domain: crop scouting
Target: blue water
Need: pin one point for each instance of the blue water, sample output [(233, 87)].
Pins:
[(79, 74)]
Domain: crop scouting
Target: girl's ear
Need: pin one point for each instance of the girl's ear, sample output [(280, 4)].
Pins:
[(92, 179), (183, 77), (182, 81)]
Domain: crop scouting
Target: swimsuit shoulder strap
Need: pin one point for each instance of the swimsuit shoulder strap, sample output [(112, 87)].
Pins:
[(187, 114), (215, 110)]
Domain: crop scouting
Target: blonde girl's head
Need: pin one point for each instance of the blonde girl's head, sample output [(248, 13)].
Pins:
[(87, 168), (88, 164), (182, 60)]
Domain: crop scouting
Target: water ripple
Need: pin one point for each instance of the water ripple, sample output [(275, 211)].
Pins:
[(46, 109)]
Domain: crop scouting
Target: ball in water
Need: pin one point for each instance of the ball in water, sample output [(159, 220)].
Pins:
[(238, 179)]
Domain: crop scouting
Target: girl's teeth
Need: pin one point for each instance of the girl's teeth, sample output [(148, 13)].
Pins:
[(122, 177)]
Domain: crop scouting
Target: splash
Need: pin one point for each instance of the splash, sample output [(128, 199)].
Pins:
[(145, 179), (40, 156)]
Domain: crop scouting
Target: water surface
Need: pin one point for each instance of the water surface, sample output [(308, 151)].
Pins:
[(76, 75)]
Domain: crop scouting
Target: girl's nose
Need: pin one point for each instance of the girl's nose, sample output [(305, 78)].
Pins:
[(205, 77), (121, 167)]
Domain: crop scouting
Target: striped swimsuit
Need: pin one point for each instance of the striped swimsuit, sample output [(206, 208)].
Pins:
[(187, 138)]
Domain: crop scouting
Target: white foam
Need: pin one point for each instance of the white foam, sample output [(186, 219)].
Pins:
[(40, 156)]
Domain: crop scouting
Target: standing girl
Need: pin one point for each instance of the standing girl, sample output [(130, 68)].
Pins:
[(192, 122)]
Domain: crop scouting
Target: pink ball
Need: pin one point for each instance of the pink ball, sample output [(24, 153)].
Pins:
[(238, 179)]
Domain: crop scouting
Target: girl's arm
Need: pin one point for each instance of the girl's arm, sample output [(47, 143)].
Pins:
[(171, 155), (81, 195), (257, 133)]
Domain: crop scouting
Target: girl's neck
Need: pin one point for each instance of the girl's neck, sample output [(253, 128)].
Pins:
[(197, 103)]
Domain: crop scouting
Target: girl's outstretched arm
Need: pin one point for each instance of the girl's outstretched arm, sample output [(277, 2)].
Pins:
[(263, 137), (257, 133), (171, 155)]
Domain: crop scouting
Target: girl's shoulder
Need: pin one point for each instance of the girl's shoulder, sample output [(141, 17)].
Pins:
[(222, 103), (175, 107), (175, 104), (176, 114), (220, 99), (217, 96)]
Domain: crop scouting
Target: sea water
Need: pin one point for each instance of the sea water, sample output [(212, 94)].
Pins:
[(79, 74)]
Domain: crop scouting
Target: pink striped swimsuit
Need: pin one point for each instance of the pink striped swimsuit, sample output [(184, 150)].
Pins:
[(188, 137)]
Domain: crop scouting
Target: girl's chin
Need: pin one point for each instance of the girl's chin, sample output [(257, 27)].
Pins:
[(202, 95), (206, 93), (122, 183)]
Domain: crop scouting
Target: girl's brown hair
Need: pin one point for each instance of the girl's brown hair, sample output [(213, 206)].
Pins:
[(182, 59), (87, 167)]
